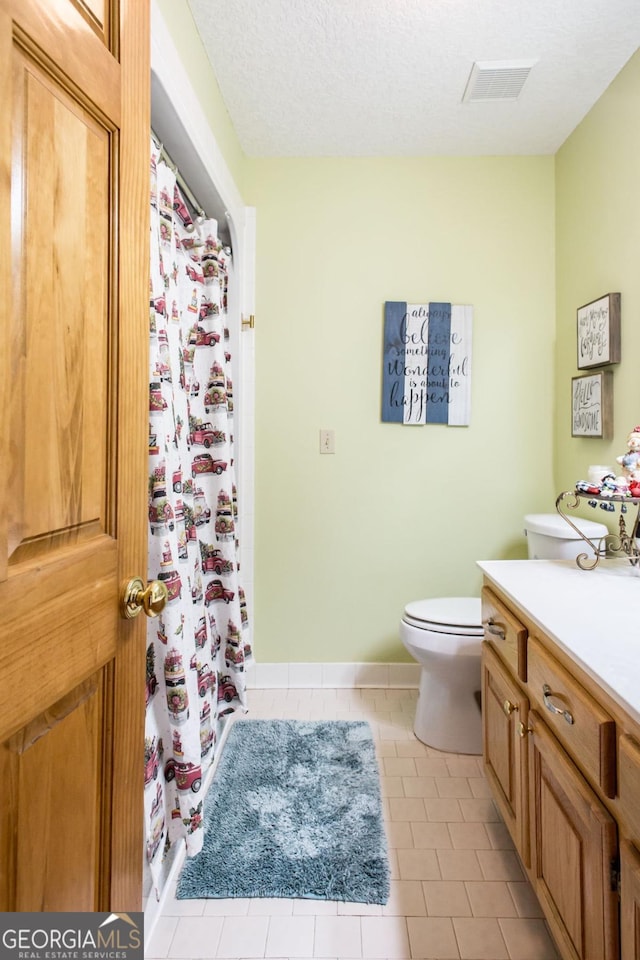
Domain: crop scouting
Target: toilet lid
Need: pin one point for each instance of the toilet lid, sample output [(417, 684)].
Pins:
[(461, 615)]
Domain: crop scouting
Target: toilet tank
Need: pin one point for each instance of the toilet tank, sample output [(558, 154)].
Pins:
[(549, 536)]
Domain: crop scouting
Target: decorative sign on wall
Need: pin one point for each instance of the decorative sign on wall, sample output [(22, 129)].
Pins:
[(426, 374), (599, 332), (592, 405)]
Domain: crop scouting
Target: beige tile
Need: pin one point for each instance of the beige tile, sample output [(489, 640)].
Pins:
[(499, 836), (245, 938), (162, 936), (385, 938), (490, 899), (315, 908), (407, 808), (465, 767), (197, 937), (480, 809), (432, 938), (444, 811), (418, 865), (479, 787), (428, 767), (394, 871), (528, 940), (442, 754), (480, 939), (430, 836), (411, 748), (270, 906), (525, 899), (392, 786), (446, 898), (406, 899), (184, 908), (347, 909), (453, 787), (392, 731), (500, 865), (398, 834), (290, 937), (459, 865), (234, 907), (338, 937), (440, 885), (399, 766), (419, 787), (469, 836)]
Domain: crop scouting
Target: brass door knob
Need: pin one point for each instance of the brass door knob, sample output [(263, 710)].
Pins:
[(136, 597)]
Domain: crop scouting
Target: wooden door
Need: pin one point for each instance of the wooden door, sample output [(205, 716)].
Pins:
[(573, 852), (74, 190), (629, 902), (504, 709)]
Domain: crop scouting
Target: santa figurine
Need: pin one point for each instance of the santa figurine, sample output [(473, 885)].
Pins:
[(630, 461)]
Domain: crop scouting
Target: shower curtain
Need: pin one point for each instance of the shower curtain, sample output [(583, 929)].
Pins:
[(198, 647)]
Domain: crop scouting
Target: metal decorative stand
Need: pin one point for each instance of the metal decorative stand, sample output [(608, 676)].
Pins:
[(622, 542)]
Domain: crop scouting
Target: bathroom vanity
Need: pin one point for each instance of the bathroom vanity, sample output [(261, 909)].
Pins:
[(561, 741)]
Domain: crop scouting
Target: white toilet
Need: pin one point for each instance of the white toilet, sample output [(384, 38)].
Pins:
[(444, 635)]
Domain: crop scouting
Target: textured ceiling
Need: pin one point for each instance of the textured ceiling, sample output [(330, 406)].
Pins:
[(386, 77)]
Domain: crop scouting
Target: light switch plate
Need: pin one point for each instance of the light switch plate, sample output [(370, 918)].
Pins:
[(327, 441)]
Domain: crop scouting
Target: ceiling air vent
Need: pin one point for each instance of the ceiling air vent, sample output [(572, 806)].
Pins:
[(497, 80)]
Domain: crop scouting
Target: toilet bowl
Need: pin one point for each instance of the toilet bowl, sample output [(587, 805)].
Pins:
[(444, 635)]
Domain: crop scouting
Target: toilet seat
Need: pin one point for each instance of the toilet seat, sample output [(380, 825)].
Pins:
[(459, 616)]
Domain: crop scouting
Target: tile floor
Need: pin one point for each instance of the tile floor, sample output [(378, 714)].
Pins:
[(457, 889)]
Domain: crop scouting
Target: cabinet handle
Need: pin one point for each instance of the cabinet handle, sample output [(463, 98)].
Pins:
[(523, 730), (508, 707), (546, 696), (495, 629)]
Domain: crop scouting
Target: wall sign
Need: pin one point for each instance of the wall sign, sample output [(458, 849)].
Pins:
[(599, 332), (592, 405), (426, 375)]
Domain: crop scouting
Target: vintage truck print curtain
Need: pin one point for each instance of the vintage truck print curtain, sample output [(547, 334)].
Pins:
[(197, 648)]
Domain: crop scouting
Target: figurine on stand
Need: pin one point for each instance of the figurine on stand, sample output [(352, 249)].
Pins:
[(630, 462)]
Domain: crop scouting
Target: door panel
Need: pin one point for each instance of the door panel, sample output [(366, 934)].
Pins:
[(630, 902), (504, 708), (48, 785), (73, 208), (573, 845), (60, 357)]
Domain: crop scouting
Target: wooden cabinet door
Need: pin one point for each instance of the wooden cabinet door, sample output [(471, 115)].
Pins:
[(629, 902), (74, 190), (504, 709), (573, 848)]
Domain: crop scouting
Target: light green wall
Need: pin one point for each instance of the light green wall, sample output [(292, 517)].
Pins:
[(179, 20), (598, 252), (343, 541), (398, 513)]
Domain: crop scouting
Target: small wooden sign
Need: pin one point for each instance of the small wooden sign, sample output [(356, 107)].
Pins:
[(592, 405), (599, 332), (426, 375)]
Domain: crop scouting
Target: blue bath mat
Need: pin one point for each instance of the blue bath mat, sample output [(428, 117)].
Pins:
[(294, 810)]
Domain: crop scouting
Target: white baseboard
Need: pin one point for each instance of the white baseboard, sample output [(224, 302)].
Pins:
[(279, 676)]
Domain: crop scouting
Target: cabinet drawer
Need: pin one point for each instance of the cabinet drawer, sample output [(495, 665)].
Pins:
[(505, 632), (629, 786), (585, 730)]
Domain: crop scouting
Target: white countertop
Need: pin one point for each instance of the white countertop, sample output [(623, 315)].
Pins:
[(593, 615)]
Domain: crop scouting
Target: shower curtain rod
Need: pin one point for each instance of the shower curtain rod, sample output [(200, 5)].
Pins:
[(180, 179)]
